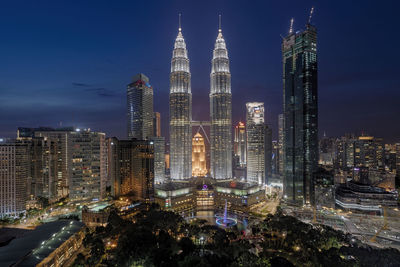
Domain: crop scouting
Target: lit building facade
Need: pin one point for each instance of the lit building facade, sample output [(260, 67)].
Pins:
[(132, 165), (180, 112), (88, 166), (300, 106), (43, 155), (157, 124), (159, 159), (280, 144), (14, 170), (355, 152), (199, 164), (239, 144), (140, 108), (256, 133), (220, 112), (63, 160)]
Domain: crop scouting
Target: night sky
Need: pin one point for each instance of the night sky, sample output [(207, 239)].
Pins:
[(68, 62)]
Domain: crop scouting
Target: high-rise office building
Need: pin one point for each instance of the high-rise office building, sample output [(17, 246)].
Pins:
[(369, 152), (355, 152), (180, 112), (275, 157), (88, 166), (140, 108), (300, 106), (131, 165), (199, 164), (14, 170), (157, 124), (159, 158), (280, 144), (268, 154), (220, 112), (43, 156), (239, 143), (256, 133), (61, 137)]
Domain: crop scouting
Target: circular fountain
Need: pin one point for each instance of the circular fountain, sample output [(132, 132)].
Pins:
[(225, 221)]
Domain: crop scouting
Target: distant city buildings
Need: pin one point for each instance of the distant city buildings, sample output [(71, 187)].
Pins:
[(300, 106), (140, 108)]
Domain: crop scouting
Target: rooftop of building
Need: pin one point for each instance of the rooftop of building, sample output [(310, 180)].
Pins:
[(36, 245), (171, 186), (236, 185), (356, 188)]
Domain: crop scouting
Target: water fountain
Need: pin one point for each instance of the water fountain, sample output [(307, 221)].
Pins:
[(225, 221)]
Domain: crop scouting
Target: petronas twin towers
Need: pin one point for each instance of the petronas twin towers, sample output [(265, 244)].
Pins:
[(180, 112)]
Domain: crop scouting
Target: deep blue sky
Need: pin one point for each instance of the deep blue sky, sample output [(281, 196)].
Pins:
[(70, 61)]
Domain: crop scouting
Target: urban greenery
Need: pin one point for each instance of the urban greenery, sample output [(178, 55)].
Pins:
[(162, 238)]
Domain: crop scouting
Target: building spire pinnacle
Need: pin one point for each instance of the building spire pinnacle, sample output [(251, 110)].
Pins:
[(180, 28), (311, 13), (291, 26), (219, 27)]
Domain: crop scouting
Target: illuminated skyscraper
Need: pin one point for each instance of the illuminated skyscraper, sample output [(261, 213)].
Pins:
[(159, 158), (221, 112), (280, 144), (300, 106), (256, 142), (88, 167), (14, 170), (180, 112), (140, 108), (131, 163), (157, 124), (240, 143), (199, 166)]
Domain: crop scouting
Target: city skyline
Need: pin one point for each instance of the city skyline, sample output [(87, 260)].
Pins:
[(78, 97)]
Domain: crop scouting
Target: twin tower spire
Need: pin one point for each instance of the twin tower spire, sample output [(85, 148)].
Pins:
[(180, 111)]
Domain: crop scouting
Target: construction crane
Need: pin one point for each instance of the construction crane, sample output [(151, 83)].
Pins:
[(384, 227)]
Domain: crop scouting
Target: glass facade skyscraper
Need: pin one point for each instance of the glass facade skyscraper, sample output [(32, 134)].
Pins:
[(256, 133), (280, 144), (300, 106), (220, 112), (180, 112), (140, 108), (240, 143)]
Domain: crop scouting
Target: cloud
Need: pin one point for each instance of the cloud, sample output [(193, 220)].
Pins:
[(104, 92), (81, 84)]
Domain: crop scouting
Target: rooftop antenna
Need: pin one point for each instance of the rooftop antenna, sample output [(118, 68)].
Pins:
[(311, 13), (219, 28), (291, 26), (180, 22)]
